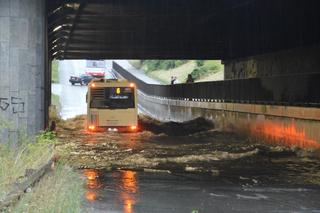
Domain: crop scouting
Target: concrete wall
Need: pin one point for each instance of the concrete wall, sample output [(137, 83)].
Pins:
[(291, 126), (22, 68), (296, 61)]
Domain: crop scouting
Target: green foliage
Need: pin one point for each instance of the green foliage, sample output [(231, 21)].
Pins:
[(153, 65), (47, 136), (198, 72), (214, 65), (178, 63), (200, 63), (59, 191), (136, 63), (199, 69), (206, 67), (54, 70), (22, 154)]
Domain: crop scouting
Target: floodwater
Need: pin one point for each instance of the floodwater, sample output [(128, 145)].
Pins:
[(204, 171), (129, 191), (190, 167)]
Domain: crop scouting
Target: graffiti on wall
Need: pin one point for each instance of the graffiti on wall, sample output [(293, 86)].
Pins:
[(12, 104)]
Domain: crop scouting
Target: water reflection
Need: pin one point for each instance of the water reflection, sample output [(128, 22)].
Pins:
[(92, 183), (129, 181), (128, 189), (125, 184), (91, 196)]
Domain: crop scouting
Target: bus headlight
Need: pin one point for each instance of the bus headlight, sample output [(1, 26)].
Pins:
[(133, 128)]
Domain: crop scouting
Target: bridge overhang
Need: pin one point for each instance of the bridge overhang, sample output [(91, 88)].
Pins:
[(169, 29)]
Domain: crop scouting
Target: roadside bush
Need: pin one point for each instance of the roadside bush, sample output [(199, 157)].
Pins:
[(198, 72), (206, 67), (200, 63), (153, 65), (178, 63), (167, 64), (213, 65)]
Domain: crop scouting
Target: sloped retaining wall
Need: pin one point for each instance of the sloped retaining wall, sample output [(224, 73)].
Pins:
[(291, 126)]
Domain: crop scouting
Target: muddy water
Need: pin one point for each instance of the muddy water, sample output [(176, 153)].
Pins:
[(167, 171), (129, 191), (212, 152)]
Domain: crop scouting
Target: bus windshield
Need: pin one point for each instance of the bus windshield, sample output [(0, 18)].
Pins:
[(112, 98)]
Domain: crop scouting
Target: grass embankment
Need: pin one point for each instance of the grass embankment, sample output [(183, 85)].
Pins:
[(180, 72), (54, 70), (60, 190), (15, 160), (208, 70), (162, 70)]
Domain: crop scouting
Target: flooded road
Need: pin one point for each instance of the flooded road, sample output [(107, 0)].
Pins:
[(204, 171), (189, 167), (129, 191)]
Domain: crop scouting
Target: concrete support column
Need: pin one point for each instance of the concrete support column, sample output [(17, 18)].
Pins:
[(22, 66)]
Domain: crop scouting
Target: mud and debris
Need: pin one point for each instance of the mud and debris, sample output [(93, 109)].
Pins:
[(174, 128), (192, 147)]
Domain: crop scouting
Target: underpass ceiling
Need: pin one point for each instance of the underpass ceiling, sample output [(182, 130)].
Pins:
[(185, 29)]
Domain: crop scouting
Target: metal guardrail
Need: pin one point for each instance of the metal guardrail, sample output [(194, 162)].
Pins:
[(295, 90)]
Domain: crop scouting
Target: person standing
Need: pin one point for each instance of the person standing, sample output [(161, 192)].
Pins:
[(190, 79), (172, 80)]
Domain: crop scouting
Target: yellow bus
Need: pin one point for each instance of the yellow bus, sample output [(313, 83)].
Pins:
[(112, 106)]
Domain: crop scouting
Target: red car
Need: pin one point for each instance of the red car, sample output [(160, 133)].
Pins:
[(96, 74)]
